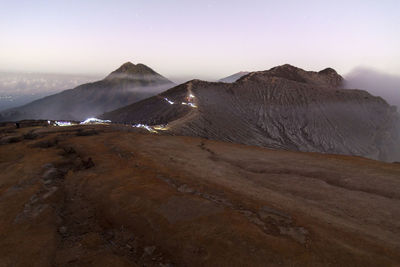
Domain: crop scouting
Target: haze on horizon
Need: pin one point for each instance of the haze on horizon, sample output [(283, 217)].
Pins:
[(202, 39)]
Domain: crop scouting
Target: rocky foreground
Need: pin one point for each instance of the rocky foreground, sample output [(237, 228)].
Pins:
[(116, 196)]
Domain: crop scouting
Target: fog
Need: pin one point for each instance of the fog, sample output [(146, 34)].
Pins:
[(135, 77), (20, 88), (375, 82)]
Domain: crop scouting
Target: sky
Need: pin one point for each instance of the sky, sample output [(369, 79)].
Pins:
[(206, 39)]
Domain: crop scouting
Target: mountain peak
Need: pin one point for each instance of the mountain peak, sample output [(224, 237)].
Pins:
[(326, 77), (285, 68), (127, 65), (328, 71), (129, 69)]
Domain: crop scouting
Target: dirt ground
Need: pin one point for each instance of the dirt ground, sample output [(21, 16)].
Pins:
[(114, 196)]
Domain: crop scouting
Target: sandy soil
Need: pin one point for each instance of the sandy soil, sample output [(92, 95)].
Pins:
[(113, 196)]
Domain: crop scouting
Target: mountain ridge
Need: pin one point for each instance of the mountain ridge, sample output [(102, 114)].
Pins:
[(234, 77), (283, 108)]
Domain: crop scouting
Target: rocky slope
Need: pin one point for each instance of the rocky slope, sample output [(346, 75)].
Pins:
[(126, 85), (284, 107), (112, 196)]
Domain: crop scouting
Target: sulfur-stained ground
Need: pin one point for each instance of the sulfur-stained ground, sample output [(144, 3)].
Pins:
[(113, 196)]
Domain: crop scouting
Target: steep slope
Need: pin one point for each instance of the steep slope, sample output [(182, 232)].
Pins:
[(234, 77), (126, 85), (284, 107)]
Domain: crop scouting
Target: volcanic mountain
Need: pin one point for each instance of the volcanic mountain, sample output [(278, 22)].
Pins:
[(126, 85), (283, 108), (234, 77)]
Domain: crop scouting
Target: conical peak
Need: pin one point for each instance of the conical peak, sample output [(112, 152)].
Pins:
[(130, 70)]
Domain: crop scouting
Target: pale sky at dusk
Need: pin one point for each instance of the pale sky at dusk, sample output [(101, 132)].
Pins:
[(198, 39)]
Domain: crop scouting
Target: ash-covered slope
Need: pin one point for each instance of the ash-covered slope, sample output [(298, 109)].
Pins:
[(284, 107), (126, 85)]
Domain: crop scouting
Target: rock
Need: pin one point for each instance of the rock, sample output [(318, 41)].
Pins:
[(185, 189), (48, 166), (86, 132), (50, 192), (87, 163), (149, 250), (10, 139), (51, 174), (46, 143), (62, 230), (31, 136), (297, 233), (267, 209)]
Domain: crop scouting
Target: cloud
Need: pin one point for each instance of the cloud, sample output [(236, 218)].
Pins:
[(375, 82), (20, 88)]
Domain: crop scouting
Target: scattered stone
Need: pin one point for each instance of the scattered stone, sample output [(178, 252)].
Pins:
[(88, 163), (48, 166), (69, 150), (185, 189), (62, 230), (149, 250), (45, 143), (51, 174), (88, 132), (266, 211), (10, 139), (31, 136), (256, 221), (297, 233), (51, 192)]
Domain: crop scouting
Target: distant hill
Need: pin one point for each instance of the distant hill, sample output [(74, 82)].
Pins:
[(284, 108), (234, 77), (126, 85)]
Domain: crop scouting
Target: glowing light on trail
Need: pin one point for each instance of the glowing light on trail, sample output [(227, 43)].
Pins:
[(189, 104), (63, 123), (169, 101), (144, 126), (95, 121), (160, 127)]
